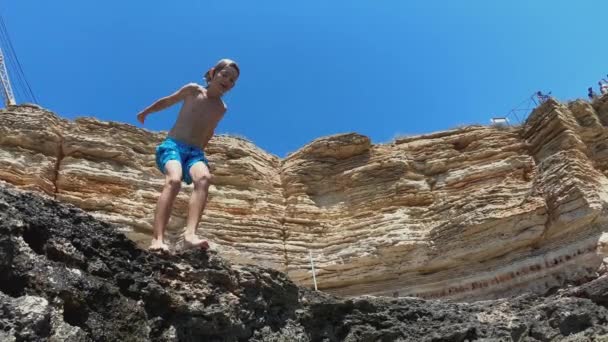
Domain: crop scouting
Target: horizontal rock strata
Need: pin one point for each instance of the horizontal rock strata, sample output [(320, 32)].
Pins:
[(471, 213), (65, 276)]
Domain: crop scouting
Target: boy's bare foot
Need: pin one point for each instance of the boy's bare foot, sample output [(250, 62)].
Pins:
[(192, 241), (157, 245)]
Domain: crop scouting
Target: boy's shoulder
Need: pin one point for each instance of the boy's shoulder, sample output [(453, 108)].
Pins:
[(195, 87)]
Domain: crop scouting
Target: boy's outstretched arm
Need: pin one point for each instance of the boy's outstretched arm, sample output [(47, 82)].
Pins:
[(168, 101)]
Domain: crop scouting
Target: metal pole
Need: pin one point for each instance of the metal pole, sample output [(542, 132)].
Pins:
[(4, 80), (312, 265), (534, 100), (7, 91)]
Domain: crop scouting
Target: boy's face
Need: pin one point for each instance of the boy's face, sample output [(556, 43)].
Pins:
[(225, 79)]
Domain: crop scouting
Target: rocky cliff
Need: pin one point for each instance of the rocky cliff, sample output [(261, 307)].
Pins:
[(471, 213), (65, 276)]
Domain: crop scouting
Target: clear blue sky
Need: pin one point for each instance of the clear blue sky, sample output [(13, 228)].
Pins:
[(311, 68)]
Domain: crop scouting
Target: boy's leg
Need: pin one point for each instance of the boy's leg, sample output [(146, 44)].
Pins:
[(201, 179), (173, 180)]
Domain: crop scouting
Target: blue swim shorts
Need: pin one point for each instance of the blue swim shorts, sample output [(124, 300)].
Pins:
[(187, 155)]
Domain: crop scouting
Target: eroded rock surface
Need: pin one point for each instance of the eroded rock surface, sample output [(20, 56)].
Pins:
[(66, 276), (471, 213)]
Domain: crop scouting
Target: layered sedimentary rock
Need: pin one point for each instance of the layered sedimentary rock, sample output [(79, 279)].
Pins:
[(65, 276), (109, 169), (471, 213)]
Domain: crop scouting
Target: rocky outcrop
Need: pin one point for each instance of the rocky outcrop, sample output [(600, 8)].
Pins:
[(109, 170), (65, 276), (471, 213)]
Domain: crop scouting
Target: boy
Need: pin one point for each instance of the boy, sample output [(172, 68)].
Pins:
[(181, 157)]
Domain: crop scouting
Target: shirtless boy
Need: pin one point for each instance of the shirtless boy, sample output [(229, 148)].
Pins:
[(180, 156)]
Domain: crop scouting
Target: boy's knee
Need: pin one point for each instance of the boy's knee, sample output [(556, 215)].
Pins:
[(203, 181), (173, 182)]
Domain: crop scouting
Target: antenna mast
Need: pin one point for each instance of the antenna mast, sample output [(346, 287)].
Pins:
[(7, 90)]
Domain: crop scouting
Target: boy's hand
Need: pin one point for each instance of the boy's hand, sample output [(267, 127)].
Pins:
[(141, 117)]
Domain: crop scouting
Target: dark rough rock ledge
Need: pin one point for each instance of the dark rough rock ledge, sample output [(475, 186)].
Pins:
[(65, 276)]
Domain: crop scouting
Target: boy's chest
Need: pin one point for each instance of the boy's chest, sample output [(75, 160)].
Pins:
[(206, 107)]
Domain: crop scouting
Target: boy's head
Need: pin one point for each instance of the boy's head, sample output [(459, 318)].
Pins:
[(223, 75)]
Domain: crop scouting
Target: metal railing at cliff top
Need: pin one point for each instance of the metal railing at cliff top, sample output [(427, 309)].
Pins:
[(521, 111)]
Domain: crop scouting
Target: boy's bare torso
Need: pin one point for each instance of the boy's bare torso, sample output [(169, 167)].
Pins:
[(197, 118)]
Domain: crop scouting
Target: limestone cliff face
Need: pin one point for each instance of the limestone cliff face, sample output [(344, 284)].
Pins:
[(66, 276), (471, 213)]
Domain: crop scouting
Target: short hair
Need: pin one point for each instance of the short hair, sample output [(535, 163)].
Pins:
[(221, 65)]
